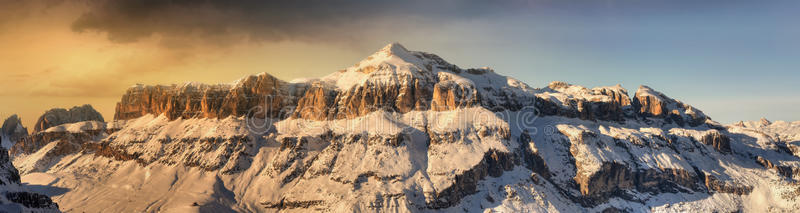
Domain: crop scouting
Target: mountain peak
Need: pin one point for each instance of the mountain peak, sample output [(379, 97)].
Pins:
[(390, 60), (391, 53), (394, 48)]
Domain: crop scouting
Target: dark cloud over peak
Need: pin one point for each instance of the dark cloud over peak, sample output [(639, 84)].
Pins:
[(327, 20), (131, 20)]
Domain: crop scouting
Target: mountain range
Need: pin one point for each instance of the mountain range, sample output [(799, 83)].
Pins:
[(398, 131)]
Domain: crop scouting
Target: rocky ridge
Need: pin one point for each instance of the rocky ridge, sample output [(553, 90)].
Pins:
[(399, 80), (58, 116), (75, 126)]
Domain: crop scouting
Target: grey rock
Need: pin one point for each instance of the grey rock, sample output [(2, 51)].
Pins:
[(58, 116)]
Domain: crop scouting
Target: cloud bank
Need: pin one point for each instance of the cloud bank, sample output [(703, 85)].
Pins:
[(306, 20)]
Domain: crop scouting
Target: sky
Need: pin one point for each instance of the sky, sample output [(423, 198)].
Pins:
[(735, 60)]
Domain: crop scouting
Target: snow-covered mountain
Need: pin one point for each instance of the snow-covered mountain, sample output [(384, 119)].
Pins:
[(407, 131)]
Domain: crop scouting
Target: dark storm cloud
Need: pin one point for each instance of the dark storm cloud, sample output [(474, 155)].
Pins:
[(328, 20), (130, 20)]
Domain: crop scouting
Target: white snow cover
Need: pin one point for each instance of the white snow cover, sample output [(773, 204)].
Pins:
[(783, 130), (78, 127), (391, 59)]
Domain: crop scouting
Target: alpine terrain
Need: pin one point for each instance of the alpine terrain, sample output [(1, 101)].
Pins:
[(400, 131)]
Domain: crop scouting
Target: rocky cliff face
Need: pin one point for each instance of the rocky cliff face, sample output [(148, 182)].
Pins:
[(719, 141), (786, 171), (58, 116), (392, 79), (602, 103), (650, 103), (193, 100), (8, 174)]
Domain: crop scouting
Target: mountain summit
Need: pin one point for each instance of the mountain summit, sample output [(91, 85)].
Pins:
[(407, 131)]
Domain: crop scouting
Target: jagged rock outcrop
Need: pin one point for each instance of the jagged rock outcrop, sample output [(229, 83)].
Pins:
[(614, 178), (610, 178), (449, 95), (666, 180), (14, 197), (612, 162), (719, 141), (786, 171), (8, 174), (13, 131), (649, 103), (618, 95), (713, 184), (71, 133), (31, 200), (58, 116), (317, 103), (601, 103), (493, 164), (369, 97), (531, 157)]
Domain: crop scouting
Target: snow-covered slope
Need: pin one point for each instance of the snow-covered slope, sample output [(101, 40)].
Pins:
[(407, 131)]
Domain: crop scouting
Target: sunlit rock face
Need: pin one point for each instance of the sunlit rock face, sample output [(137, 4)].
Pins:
[(393, 79), (650, 103), (407, 131)]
